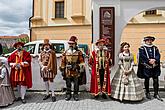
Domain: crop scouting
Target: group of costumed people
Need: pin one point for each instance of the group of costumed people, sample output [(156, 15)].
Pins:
[(125, 84)]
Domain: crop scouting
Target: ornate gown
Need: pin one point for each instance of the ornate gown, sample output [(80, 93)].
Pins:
[(6, 93), (126, 87)]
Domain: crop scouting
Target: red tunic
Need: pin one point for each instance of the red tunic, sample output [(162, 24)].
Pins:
[(95, 87), (24, 75)]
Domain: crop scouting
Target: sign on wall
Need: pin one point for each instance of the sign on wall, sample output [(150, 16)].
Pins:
[(107, 28)]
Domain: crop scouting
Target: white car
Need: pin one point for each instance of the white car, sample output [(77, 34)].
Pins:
[(35, 47)]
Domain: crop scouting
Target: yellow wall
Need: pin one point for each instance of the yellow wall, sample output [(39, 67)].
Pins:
[(76, 21), (63, 32), (76, 12)]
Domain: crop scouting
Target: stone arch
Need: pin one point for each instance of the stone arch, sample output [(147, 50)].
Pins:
[(124, 11)]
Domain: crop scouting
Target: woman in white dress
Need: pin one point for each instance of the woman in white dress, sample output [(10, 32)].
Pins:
[(125, 84)]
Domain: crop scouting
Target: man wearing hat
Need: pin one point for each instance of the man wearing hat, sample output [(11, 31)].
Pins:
[(72, 65), (100, 77), (48, 64), (20, 76), (149, 66)]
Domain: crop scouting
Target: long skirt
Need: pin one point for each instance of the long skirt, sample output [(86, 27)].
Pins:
[(6, 96), (132, 91)]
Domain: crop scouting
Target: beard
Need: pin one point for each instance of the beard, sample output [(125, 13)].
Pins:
[(71, 47), (19, 49), (47, 48)]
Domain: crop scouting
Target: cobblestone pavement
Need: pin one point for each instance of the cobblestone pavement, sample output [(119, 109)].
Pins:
[(86, 102)]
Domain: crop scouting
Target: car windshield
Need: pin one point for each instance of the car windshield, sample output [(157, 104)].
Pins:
[(57, 47), (30, 48), (84, 48)]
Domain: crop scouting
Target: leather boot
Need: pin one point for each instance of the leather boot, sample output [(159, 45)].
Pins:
[(68, 97), (53, 98), (46, 97), (157, 96), (75, 96), (148, 96)]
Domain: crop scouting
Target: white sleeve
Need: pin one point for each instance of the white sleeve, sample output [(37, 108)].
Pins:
[(12, 64), (120, 59), (132, 63), (3, 72), (25, 62), (40, 63)]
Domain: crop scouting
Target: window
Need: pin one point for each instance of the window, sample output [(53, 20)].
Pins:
[(84, 48), (30, 48), (59, 9), (151, 12), (57, 47), (40, 48)]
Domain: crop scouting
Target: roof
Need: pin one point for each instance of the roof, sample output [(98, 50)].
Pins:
[(14, 37)]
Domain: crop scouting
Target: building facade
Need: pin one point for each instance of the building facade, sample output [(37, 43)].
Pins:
[(128, 26), (151, 22), (60, 19)]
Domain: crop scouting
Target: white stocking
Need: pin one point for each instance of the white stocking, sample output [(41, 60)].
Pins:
[(52, 88), (47, 87), (23, 91)]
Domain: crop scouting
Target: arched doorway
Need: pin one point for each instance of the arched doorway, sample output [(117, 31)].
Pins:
[(148, 22), (124, 11)]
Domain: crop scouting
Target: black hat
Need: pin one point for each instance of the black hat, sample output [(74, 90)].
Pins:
[(149, 38), (72, 40)]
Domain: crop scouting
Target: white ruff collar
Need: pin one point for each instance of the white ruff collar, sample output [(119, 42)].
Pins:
[(71, 51), (148, 45), (104, 48), (126, 54), (47, 50)]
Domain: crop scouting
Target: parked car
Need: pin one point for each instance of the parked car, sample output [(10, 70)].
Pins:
[(85, 49), (34, 47), (58, 45)]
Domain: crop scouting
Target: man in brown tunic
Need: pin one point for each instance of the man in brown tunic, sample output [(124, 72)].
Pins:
[(71, 66), (48, 64)]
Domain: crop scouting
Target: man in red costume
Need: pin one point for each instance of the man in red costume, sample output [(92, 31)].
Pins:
[(100, 77), (21, 76)]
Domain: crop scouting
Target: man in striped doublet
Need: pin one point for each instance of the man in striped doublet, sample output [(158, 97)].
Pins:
[(48, 66)]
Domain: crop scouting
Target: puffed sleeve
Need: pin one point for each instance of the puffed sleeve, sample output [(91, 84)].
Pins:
[(40, 60), (157, 55), (3, 73), (120, 59), (63, 61)]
